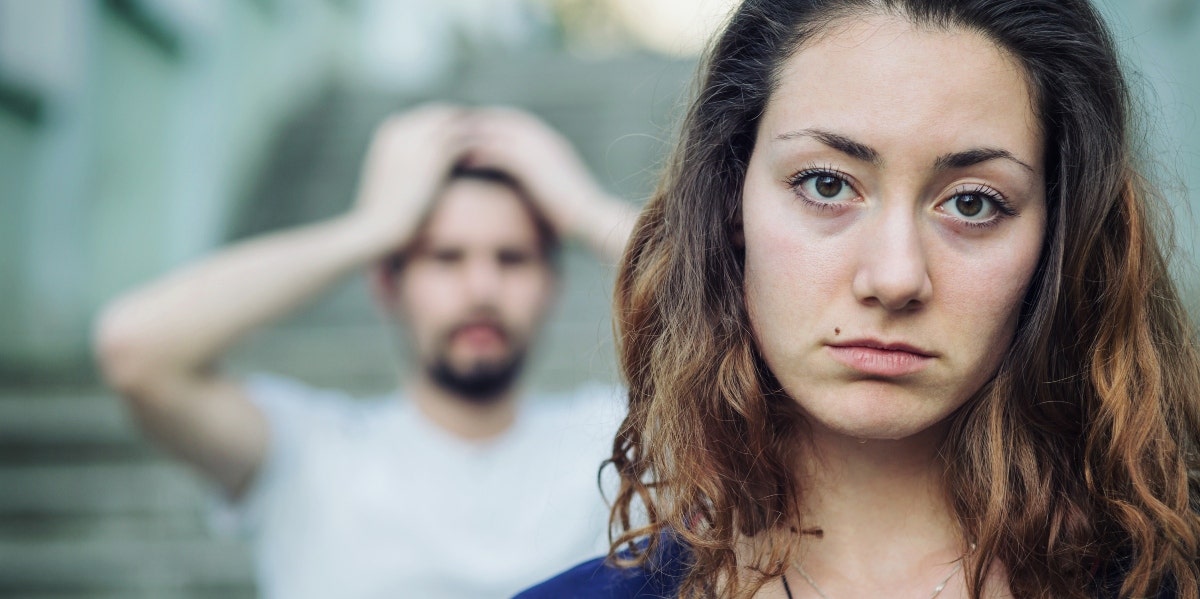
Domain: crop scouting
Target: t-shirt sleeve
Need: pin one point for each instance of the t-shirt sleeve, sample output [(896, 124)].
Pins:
[(293, 412)]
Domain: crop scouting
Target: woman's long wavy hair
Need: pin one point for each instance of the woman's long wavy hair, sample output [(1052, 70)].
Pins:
[(1081, 454)]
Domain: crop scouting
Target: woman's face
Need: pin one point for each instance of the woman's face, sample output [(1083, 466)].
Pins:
[(893, 215)]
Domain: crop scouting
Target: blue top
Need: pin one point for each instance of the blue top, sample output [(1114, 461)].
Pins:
[(598, 579), (661, 576)]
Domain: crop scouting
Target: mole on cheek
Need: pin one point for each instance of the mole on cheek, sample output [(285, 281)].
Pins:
[(837, 331)]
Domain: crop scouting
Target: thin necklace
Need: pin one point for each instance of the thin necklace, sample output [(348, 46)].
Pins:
[(812, 583)]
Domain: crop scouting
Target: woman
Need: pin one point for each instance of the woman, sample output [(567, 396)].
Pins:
[(897, 323)]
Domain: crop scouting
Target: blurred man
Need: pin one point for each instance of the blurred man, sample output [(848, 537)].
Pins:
[(456, 487)]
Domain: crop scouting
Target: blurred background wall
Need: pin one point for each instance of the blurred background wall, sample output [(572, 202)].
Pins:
[(136, 135)]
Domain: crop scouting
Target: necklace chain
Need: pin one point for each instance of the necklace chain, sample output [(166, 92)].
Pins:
[(936, 590)]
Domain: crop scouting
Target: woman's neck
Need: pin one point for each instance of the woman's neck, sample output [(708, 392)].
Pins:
[(884, 520)]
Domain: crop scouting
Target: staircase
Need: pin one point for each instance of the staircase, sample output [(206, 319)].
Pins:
[(89, 510)]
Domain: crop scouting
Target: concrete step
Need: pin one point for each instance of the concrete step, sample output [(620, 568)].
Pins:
[(183, 523), (111, 565), (149, 488), (89, 416), (89, 510), (240, 592)]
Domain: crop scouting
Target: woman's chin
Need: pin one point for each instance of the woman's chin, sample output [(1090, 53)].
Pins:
[(876, 424)]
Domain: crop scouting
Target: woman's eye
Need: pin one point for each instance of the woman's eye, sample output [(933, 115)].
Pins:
[(971, 207), (825, 188)]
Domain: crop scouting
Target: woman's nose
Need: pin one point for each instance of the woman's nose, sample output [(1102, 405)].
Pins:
[(892, 266)]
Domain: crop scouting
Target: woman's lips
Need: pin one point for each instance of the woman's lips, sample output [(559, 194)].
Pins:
[(880, 359)]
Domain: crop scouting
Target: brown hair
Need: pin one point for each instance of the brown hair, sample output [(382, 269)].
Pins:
[(1081, 454)]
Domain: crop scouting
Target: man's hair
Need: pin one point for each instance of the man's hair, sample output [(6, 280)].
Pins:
[(1082, 452), (548, 240)]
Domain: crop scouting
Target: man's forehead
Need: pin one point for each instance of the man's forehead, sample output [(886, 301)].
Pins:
[(479, 212)]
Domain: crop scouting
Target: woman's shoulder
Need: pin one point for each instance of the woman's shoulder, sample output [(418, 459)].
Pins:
[(600, 578)]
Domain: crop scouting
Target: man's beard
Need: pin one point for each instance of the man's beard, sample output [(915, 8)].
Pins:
[(481, 382)]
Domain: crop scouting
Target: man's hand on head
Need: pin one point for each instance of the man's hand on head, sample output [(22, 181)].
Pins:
[(406, 164), (544, 162), (556, 179)]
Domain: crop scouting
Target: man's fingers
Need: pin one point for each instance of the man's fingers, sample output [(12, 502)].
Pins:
[(421, 139), (422, 124)]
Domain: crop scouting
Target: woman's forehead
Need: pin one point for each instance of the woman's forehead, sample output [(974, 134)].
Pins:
[(890, 83)]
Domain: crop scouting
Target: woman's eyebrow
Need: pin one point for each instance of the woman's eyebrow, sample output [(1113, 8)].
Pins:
[(840, 143), (976, 156), (865, 153)]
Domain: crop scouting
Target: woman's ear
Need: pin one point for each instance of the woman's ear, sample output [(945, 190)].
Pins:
[(736, 235)]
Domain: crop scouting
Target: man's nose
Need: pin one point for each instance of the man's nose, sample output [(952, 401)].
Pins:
[(482, 277), (892, 265)]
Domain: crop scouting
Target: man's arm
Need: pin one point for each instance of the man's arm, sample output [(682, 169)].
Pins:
[(551, 172), (160, 345)]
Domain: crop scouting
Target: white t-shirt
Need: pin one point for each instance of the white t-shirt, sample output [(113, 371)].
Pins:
[(368, 499)]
